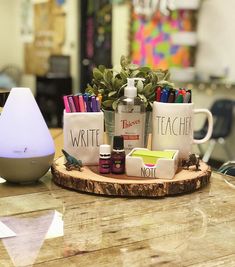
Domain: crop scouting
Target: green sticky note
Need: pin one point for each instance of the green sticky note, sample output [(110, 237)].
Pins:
[(151, 157)]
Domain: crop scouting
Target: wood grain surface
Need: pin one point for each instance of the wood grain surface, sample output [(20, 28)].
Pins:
[(195, 229), (89, 180)]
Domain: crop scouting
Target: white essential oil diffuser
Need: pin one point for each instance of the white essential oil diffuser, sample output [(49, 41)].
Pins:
[(26, 146)]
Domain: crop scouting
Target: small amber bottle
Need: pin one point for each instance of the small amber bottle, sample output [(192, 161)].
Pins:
[(118, 156)]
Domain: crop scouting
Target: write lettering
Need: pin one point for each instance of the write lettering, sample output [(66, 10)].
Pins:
[(85, 138)]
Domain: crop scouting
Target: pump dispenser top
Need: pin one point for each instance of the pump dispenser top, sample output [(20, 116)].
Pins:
[(130, 90)]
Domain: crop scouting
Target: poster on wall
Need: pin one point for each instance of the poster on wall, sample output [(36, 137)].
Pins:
[(151, 40), (48, 39), (26, 17)]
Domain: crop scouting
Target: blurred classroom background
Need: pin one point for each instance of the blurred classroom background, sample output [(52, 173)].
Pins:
[(51, 46)]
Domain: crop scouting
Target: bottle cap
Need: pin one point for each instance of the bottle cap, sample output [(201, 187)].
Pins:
[(130, 90), (118, 142), (105, 149)]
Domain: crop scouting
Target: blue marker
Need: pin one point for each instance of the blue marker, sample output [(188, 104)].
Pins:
[(86, 100), (164, 96)]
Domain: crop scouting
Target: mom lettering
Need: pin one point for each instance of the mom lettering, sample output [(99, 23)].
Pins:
[(173, 125)]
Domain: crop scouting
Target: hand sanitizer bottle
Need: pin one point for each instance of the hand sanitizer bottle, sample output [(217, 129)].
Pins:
[(130, 117)]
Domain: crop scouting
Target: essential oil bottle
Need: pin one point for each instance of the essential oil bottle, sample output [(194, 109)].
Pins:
[(118, 156), (105, 159)]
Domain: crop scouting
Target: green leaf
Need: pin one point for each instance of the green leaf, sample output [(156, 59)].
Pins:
[(121, 90), (97, 74), (101, 91), (154, 78), (123, 75), (107, 86), (101, 68), (107, 103), (167, 76), (148, 89), (95, 88), (141, 74), (112, 93), (140, 86), (141, 96), (124, 62), (151, 98), (133, 67), (114, 105), (89, 87), (160, 75), (149, 106), (165, 83), (108, 75), (144, 69), (117, 84), (134, 73)]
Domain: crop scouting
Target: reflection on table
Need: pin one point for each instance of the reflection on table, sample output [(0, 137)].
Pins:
[(195, 229)]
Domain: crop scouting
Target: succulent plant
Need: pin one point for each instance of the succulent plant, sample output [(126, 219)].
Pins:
[(110, 83)]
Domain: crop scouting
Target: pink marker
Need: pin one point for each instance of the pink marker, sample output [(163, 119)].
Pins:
[(66, 104), (81, 103), (71, 103)]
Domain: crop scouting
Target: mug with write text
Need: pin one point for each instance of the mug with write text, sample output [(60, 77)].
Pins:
[(83, 134), (173, 127)]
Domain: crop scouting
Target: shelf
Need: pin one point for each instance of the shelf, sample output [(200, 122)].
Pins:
[(187, 4), (184, 38)]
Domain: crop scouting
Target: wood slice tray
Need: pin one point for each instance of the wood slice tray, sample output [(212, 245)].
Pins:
[(90, 181)]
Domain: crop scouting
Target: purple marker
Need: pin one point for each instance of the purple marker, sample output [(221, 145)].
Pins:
[(94, 107), (86, 100)]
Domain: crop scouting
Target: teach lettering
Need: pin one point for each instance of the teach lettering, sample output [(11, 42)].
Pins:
[(174, 125), (85, 138)]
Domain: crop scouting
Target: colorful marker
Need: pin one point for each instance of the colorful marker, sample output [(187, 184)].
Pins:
[(164, 96), (187, 97), (158, 93), (94, 104), (76, 102), (179, 98), (81, 103), (66, 104), (87, 102), (171, 98), (71, 103)]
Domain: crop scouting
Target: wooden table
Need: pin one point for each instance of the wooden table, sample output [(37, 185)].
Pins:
[(196, 229)]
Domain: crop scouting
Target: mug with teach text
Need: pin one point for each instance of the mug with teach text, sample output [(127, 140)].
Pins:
[(173, 127)]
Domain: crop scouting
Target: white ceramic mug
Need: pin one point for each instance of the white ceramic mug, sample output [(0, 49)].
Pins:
[(172, 125)]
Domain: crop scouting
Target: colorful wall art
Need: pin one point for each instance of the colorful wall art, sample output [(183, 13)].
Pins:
[(151, 41)]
